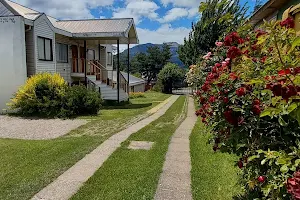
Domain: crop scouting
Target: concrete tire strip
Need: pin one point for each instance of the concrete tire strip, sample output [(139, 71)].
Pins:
[(175, 180), (67, 184)]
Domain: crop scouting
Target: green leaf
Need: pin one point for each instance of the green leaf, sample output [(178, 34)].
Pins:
[(296, 114), (253, 157), (282, 122), (263, 161), (266, 112), (297, 162), (292, 107), (295, 43), (275, 100), (284, 169)]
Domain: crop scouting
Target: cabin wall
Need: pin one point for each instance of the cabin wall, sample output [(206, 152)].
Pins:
[(30, 52), (43, 29), (13, 57)]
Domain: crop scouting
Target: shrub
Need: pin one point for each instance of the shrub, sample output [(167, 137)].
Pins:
[(49, 96), (42, 94), (80, 101), (249, 94), (135, 95)]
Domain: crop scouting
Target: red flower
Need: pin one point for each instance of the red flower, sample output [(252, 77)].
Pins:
[(260, 33), (277, 89), (232, 38), (220, 85), (240, 164), (296, 70), (226, 100), (261, 179), (288, 23), (293, 185), (233, 52), (233, 76), (256, 109), (214, 69), (284, 72), (205, 87), (204, 120), (263, 59), (256, 102), (212, 99), (230, 118), (218, 65), (241, 91)]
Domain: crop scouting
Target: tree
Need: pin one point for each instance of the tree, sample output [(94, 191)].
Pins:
[(169, 76), (218, 17), (149, 64)]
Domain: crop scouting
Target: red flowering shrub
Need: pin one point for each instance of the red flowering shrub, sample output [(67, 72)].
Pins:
[(250, 90), (293, 185)]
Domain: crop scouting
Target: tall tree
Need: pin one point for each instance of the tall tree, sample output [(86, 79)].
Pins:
[(149, 64), (218, 17)]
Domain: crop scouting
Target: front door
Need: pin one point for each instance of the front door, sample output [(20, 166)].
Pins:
[(74, 58)]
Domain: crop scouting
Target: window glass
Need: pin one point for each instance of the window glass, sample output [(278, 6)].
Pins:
[(48, 49), (41, 50), (109, 58), (62, 52)]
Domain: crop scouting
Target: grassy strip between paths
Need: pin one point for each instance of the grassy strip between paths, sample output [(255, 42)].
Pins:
[(214, 174), (134, 174), (28, 166)]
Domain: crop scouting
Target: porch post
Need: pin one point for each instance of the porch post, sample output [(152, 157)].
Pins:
[(99, 49), (85, 63), (128, 67), (118, 70)]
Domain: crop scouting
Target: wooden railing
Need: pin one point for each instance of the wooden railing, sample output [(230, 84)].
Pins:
[(94, 67)]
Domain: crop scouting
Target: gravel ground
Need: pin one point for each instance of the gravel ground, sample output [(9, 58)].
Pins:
[(36, 129)]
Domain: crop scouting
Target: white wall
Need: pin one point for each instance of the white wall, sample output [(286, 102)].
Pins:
[(13, 72)]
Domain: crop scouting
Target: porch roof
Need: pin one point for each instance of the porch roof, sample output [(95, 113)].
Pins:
[(102, 29)]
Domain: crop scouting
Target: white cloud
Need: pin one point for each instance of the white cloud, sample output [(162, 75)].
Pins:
[(182, 3), (137, 9), (166, 33), (66, 9), (176, 13)]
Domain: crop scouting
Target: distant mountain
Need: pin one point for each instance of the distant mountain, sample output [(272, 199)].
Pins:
[(142, 48)]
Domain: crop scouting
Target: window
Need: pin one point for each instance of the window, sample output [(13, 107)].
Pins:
[(62, 53), (45, 49), (91, 54), (109, 58)]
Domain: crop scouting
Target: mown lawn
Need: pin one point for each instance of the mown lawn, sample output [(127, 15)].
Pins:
[(28, 166), (134, 174), (214, 174)]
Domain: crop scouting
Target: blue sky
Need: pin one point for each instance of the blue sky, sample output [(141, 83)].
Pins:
[(157, 21)]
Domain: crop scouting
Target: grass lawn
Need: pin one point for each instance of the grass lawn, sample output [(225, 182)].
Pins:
[(214, 175), (28, 166), (134, 174)]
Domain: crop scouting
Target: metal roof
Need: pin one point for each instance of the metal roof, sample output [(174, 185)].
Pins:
[(132, 79), (96, 26), (123, 29)]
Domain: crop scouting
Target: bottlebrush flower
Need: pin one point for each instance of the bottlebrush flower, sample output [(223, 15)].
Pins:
[(288, 23), (284, 72), (241, 91), (219, 44)]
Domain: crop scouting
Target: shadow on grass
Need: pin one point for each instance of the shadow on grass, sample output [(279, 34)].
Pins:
[(126, 106)]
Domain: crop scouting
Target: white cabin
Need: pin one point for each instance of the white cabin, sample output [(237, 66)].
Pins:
[(80, 50)]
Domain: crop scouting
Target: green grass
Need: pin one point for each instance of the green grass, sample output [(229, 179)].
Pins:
[(28, 166), (115, 118), (134, 174), (214, 175)]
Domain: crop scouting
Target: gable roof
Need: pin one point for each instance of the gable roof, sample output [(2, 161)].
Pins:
[(123, 29)]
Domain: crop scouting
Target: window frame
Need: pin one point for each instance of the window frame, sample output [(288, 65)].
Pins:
[(109, 55), (59, 61), (51, 49)]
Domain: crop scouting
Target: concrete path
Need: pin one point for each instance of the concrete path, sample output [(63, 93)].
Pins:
[(67, 184), (175, 180)]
